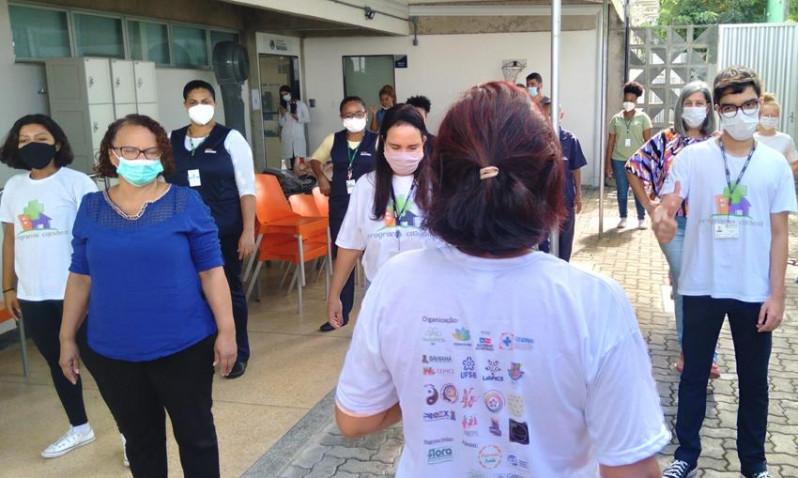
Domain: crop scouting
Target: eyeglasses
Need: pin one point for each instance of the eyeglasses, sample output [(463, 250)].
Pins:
[(358, 115), (133, 153), (750, 108)]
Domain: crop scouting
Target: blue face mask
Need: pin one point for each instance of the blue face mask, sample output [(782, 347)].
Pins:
[(533, 90), (139, 172)]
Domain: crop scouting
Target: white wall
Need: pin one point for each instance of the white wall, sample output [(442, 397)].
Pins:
[(441, 67)]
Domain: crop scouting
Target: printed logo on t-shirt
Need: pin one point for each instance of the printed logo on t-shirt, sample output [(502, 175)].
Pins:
[(449, 393), (733, 203), (432, 394), (494, 401), (462, 337), (485, 342), (495, 429), (490, 457), (519, 432), (432, 371), (515, 372), (515, 403), (517, 462), (439, 455), (470, 424), (439, 415), (468, 398), (506, 341), (468, 368), (33, 218), (433, 336), (436, 358), (494, 372)]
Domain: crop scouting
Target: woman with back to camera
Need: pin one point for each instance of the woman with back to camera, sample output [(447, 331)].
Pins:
[(147, 278), (37, 209), (383, 219), (498, 358)]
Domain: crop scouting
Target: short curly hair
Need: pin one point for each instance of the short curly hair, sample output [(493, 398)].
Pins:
[(634, 88), (10, 148), (107, 169)]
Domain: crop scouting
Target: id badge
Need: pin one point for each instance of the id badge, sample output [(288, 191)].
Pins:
[(194, 178), (350, 186), (627, 143), (727, 230)]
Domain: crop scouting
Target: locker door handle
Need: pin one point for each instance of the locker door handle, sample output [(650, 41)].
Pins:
[(118, 82), (96, 127), (140, 83), (91, 81)]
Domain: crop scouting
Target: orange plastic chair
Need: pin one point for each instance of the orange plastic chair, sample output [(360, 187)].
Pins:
[(322, 202), (5, 315), (304, 205), (283, 234)]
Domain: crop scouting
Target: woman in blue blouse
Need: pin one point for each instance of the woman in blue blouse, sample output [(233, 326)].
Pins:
[(147, 268)]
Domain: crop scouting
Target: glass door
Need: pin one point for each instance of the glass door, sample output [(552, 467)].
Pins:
[(365, 75), (275, 71)]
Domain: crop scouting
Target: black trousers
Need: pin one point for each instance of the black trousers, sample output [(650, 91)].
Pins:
[(140, 393), (337, 213), (703, 319), (566, 238), (43, 321), (232, 270)]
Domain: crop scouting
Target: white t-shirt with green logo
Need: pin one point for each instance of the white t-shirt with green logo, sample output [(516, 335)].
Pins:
[(43, 212), (727, 239), (503, 367), (384, 238)]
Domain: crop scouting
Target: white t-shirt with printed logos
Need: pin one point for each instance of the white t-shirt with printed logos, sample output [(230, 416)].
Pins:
[(382, 239), (522, 367), (43, 212), (727, 239)]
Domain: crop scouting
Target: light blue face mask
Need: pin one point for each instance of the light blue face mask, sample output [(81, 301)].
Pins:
[(533, 90), (139, 172)]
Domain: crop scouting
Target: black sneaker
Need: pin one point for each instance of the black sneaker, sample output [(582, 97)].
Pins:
[(761, 474), (679, 469), (327, 327), (238, 370)]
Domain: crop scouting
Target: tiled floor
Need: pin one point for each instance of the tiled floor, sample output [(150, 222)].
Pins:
[(293, 366)]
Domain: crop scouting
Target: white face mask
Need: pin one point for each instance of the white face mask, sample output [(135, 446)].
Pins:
[(769, 122), (742, 126), (694, 116), (629, 106), (533, 90), (354, 125), (286, 97), (201, 114)]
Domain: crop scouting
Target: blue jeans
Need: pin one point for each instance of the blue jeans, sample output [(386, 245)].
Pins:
[(622, 185), (673, 254), (703, 319)]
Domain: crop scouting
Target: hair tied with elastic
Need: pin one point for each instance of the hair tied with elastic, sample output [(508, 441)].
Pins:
[(488, 172)]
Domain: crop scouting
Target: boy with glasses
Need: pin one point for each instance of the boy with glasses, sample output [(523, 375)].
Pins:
[(734, 262)]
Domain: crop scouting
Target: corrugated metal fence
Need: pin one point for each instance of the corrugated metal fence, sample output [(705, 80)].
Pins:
[(772, 51)]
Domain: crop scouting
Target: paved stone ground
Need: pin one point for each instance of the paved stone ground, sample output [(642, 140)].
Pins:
[(633, 258)]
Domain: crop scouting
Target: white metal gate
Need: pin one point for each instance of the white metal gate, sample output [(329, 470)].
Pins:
[(772, 51)]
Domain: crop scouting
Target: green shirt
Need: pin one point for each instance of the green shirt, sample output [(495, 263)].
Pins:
[(628, 134)]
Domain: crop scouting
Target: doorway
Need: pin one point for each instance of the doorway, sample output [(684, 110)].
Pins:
[(275, 71)]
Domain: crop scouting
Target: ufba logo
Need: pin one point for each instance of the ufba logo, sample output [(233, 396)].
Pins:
[(439, 455)]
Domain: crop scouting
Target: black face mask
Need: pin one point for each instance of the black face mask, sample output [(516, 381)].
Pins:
[(36, 155)]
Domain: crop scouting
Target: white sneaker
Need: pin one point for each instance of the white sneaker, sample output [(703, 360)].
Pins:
[(641, 224), (124, 451), (71, 440), (622, 224)]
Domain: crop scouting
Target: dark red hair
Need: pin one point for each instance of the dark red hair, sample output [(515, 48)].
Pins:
[(494, 124)]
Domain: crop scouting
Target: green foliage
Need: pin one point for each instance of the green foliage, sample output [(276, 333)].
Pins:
[(794, 10), (709, 12)]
